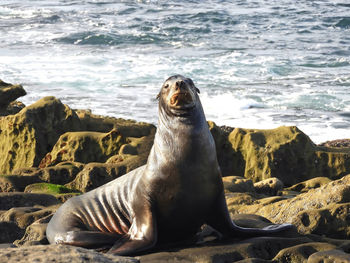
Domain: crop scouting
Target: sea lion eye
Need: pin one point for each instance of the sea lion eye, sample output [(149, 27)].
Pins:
[(166, 86)]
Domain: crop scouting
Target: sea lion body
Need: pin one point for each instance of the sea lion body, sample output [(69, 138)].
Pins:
[(168, 199)]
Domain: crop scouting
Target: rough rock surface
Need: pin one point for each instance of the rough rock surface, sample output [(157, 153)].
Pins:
[(9, 93), (27, 136), (269, 186), (329, 256), (84, 147), (58, 254), (16, 199), (321, 210), (285, 153), (96, 174), (309, 184)]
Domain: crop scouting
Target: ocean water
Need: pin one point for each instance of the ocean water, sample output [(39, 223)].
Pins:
[(257, 63)]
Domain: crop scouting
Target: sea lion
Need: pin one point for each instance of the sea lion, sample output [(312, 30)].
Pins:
[(168, 199)]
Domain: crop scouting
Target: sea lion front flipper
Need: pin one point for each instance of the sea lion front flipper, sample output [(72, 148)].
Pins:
[(141, 236), (221, 221), (87, 239)]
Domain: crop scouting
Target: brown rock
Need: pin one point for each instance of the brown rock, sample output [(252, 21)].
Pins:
[(323, 210), (253, 260), (58, 254), (269, 186), (332, 221), (337, 143), (17, 183), (10, 232), (238, 184), (25, 216), (300, 253), (330, 256), (309, 184), (9, 93), (264, 248), (239, 199), (16, 199), (13, 108), (62, 173), (35, 234)]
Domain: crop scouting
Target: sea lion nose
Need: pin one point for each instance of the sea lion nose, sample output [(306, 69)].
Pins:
[(179, 85)]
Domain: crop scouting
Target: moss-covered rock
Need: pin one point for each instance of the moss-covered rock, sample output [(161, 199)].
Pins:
[(231, 162), (84, 147), (130, 156), (96, 174), (9, 93), (27, 136), (285, 153), (135, 153)]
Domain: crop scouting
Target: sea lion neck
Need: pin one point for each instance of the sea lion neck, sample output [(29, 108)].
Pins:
[(183, 120)]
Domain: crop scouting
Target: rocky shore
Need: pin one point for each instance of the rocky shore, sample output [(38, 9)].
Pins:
[(50, 152)]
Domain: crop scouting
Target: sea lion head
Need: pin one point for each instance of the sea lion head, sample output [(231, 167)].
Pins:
[(178, 96)]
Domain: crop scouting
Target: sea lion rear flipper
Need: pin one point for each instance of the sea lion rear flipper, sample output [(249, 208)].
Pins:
[(221, 221)]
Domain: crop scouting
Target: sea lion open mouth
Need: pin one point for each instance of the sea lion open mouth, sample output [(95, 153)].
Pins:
[(181, 100)]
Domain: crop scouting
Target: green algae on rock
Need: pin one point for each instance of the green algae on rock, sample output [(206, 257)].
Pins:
[(27, 136), (46, 188)]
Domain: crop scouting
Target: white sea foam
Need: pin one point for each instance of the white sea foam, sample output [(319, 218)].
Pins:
[(255, 69)]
